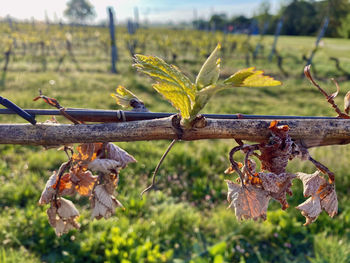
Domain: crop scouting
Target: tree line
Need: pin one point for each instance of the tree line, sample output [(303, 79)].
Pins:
[(300, 17)]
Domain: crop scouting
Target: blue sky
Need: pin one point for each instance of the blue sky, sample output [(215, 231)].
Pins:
[(151, 10)]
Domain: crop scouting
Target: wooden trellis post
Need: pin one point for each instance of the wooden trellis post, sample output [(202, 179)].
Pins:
[(114, 52)]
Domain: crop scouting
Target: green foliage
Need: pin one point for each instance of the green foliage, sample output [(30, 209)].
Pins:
[(210, 71), (331, 250), (344, 29), (171, 83), (79, 10), (191, 98)]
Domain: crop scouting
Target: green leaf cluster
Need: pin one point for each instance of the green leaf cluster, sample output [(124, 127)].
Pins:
[(190, 98)]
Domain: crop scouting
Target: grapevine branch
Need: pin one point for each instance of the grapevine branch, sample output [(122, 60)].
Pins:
[(313, 133)]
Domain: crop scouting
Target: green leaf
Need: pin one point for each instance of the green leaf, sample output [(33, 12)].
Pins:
[(123, 96), (171, 82), (210, 71), (251, 78)]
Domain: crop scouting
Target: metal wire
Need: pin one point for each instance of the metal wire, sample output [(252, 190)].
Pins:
[(94, 115)]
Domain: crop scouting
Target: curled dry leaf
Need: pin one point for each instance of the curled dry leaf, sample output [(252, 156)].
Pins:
[(278, 186), (66, 209), (311, 209), (110, 182), (249, 202), (65, 185), (62, 216), (329, 201), (105, 166), (347, 102), (323, 196), (103, 203), (83, 181), (311, 182), (118, 154), (86, 153), (48, 193)]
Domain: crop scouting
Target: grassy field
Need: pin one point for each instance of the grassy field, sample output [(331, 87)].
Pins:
[(186, 220)]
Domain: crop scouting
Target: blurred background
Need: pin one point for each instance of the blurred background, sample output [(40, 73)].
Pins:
[(79, 51)]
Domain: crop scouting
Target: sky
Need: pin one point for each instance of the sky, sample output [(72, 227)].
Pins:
[(154, 11)]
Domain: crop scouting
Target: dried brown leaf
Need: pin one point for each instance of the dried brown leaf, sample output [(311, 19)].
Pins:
[(62, 216), (86, 153), (249, 202), (65, 185), (83, 181), (278, 186), (111, 182), (320, 191), (105, 166), (347, 102), (311, 209), (311, 182), (118, 154), (52, 215), (103, 203), (66, 209), (329, 201), (48, 193)]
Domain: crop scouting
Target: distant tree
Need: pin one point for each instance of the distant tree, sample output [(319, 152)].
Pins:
[(338, 11), (240, 23), (263, 16), (344, 29), (79, 11), (201, 24), (300, 18), (219, 21)]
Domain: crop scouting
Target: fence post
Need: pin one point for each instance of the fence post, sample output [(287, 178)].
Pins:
[(277, 33), (320, 35), (114, 54)]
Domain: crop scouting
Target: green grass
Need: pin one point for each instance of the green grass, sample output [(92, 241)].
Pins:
[(186, 220)]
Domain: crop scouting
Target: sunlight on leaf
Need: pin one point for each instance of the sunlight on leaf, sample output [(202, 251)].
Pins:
[(249, 202), (251, 78), (210, 71), (123, 96), (171, 82)]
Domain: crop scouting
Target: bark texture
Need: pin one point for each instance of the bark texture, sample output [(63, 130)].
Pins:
[(310, 132)]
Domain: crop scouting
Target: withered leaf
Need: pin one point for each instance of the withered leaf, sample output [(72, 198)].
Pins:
[(62, 216), (110, 182), (278, 186), (86, 153), (311, 182), (347, 102), (105, 166), (65, 185), (249, 202), (118, 154), (103, 203), (66, 209), (311, 209), (48, 193), (83, 181), (320, 191), (329, 201)]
